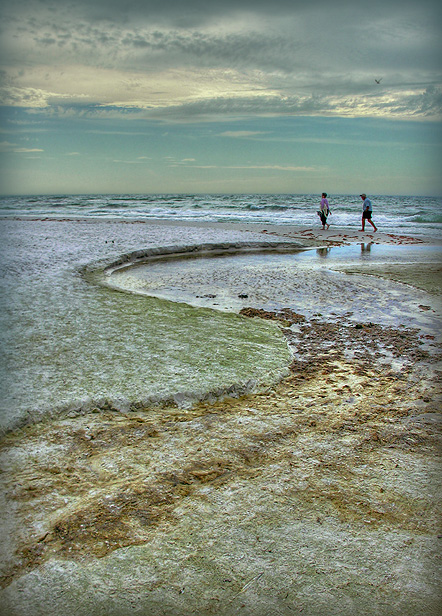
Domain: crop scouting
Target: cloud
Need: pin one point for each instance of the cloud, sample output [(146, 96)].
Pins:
[(138, 161), (181, 101), (429, 103), (200, 12), (242, 133), (27, 150), (288, 168), (6, 146), (178, 61)]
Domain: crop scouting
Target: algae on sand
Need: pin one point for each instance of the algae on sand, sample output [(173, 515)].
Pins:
[(118, 349)]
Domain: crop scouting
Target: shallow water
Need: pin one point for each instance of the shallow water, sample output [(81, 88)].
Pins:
[(311, 282)]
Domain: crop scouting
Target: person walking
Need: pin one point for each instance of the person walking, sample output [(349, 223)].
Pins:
[(324, 211), (367, 211)]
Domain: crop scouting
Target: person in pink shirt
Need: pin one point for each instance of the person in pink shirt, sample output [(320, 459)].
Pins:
[(324, 211)]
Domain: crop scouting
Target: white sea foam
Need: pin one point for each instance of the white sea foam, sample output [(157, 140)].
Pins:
[(393, 214)]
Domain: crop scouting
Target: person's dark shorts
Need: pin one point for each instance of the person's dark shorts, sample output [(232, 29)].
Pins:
[(366, 215), (323, 218)]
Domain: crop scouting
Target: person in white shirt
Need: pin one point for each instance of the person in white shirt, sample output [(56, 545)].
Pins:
[(367, 211)]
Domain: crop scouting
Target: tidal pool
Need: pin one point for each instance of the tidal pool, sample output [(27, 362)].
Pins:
[(328, 282)]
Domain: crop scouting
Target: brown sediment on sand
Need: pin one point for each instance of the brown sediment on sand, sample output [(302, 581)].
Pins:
[(333, 237), (345, 439), (285, 315)]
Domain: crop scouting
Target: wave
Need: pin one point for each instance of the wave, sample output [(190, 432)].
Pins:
[(272, 207), (411, 214), (427, 219)]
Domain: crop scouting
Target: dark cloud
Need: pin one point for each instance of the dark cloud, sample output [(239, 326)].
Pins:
[(286, 56), (194, 13)]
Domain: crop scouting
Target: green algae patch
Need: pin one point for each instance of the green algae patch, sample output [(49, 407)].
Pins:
[(122, 351)]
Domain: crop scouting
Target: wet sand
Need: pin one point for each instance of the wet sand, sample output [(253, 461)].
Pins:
[(310, 236), (319, 495)]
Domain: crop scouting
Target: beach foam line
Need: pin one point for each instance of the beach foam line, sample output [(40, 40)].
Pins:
[(181, 399)]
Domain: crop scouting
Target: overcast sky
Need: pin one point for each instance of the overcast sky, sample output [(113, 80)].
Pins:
[(226, 96)]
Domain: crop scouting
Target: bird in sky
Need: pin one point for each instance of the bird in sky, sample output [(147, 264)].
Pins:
[(378, 80)]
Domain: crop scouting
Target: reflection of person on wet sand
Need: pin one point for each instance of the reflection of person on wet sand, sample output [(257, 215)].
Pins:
[(323, 252), (366, 247), (367, 211)]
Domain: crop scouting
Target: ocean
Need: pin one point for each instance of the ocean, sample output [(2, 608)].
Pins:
[(70, 346), (393, 214)]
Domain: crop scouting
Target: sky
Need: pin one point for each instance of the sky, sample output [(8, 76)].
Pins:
[(225, 96)]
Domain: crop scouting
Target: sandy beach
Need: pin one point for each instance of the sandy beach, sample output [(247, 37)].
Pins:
[(310, 236), (319, 494), (220, 308)]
